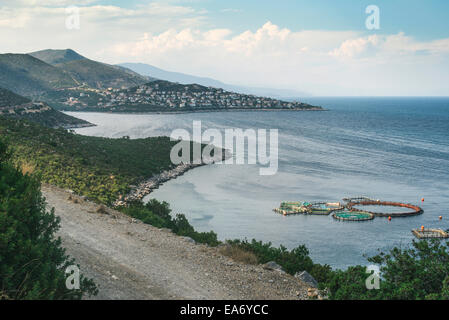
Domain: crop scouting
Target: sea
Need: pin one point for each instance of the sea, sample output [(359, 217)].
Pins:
[(393, 149)]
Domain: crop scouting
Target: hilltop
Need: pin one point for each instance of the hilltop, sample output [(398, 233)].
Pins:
[(89, 72), (28, 76), (55, 57), (15, 106)]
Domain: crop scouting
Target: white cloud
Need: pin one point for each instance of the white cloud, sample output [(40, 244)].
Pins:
[(175, 36)]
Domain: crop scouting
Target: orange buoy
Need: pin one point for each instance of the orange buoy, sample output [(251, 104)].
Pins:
[(389, 218), (422, 200), (422, 228), (441, 218)]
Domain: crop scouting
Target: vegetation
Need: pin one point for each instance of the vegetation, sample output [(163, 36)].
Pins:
[(159, 215), (15, 106), (419, 272), (101, 169), (55, 57), (415, 273), (9, 98), (85, 71), (27, 75), (32, 261)]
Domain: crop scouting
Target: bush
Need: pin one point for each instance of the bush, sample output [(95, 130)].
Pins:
[(158, 214), (32, 261), (416, 273), (238, 254)]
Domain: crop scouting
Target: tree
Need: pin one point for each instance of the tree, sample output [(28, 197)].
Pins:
[(418, 272), (32, 261)]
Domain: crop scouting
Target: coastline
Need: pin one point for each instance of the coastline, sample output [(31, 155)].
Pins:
[(145, 188), (195, 111)]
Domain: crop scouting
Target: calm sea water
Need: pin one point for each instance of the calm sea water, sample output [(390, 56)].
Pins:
[(387, 148)]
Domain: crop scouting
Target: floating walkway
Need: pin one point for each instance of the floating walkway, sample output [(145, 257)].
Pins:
[(415, 210), (430, 233), (304, 207)]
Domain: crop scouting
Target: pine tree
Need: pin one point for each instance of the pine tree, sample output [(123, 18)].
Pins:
[(32, 261)]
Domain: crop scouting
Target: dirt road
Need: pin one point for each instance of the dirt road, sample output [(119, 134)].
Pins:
[(131, 260)]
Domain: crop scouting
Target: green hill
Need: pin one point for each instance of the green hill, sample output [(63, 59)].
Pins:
[(29, 76), (15, 106), (85, 71), (9, 98), (55, 57), (100, 168)]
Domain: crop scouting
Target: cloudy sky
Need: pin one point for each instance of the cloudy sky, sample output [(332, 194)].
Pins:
[(321, 47)]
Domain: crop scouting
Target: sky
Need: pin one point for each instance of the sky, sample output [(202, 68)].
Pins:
[(320, 47)]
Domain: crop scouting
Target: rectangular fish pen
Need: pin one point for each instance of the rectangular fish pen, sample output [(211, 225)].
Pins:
[(430, 234)]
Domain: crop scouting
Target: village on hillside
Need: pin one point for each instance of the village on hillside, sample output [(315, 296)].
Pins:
[(174, 96)]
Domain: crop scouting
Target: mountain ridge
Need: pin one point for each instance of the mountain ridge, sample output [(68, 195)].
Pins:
[(155, 72)]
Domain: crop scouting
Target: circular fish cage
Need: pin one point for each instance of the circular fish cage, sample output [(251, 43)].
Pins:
[(353, 215), (414, 210)]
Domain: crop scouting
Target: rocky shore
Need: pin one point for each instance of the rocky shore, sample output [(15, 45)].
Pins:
[(146, 187)]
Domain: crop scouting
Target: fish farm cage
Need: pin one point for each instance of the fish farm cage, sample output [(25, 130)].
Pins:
[(347, 211), (346, 215), (414, 210)]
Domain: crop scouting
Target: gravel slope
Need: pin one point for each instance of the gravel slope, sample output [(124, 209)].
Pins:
[(131, 260)]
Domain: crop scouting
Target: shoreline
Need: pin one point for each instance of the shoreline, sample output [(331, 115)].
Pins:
[(194, 111), (147, 186)]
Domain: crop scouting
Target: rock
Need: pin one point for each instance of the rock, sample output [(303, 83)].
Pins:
[(312, 292), (305, 277), (188, 239), (273, 266)]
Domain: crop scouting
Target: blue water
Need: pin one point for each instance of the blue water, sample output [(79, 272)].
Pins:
[(387, 148)]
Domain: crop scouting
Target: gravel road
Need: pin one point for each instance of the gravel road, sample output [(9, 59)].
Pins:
[(131, 260)]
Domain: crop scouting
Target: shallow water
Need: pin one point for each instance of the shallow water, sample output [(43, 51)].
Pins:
[(387, 148)]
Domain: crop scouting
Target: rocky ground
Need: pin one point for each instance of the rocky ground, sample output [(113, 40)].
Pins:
[(132, 260)]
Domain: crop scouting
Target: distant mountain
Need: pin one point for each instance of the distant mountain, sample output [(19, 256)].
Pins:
[(89, 72), (55, 57), (27, 75), (149, 70), (13, 105)]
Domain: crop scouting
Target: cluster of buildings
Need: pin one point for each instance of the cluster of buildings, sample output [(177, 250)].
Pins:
[(173, 95)]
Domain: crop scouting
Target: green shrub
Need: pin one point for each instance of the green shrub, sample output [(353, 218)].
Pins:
[(158, 214), (32, 261), (415, 273)]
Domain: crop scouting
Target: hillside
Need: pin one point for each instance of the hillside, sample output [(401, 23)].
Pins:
[(161, 74), (29, 76), (165, 96), (55, 57), (92, 73), (99, 168), (15, 106)]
